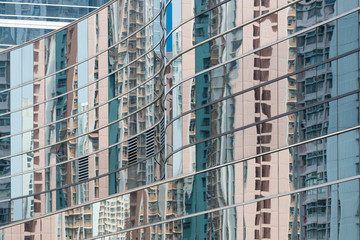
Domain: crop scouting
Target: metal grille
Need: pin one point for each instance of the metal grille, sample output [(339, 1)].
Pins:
[(83, 169), (132, 150)]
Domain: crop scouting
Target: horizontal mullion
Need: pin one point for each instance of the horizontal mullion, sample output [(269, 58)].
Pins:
[(196, 173), (232, 29), (77, 158), (89, 83), (263, 121), (264, 84), (128, 166), (255, 50), (64, 187), (80, 62), (193, 17), (87, 133), (235, 205), (88, 155), (74, 90)]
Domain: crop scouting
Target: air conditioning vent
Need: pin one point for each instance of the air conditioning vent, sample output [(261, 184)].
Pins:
[(132, 150), (83, 169)]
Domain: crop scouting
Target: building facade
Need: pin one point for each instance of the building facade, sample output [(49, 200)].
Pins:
[(185, 119)]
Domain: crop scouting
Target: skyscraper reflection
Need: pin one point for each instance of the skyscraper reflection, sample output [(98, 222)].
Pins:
[(241, 123)]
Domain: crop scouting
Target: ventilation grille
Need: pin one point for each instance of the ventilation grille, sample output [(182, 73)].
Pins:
[(83, 169), (132, 150), (150, 146)]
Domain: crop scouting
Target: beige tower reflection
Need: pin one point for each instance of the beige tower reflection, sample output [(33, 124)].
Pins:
[(260, 177), (266, 175), (294, 220)]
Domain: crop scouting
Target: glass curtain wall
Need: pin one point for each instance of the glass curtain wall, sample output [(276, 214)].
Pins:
[(185, 119)]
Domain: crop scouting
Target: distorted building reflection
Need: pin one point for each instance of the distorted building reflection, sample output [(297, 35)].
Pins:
[(185, 120)]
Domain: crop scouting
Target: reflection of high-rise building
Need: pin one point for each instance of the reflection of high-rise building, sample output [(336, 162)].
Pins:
[(113, 215), (294, 219), (185, 120), (321, 161), (313, 86)]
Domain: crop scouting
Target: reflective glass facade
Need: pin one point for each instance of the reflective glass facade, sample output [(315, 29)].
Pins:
[(185, 119), (25, 20)]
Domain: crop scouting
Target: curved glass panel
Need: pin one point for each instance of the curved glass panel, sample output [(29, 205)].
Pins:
[(185, 120)]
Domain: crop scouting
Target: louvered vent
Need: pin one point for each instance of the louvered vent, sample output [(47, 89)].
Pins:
[(150, 146), (132, 150), (83, 169)]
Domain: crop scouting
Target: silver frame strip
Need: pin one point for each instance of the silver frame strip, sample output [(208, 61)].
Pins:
[(93, 178), (190, 77), (266, 83), (182, 176), (255, 50), (84, 86), (279, 195), (122, 40), (214, 67), (210, 103), (84, 134), (233, 29), (184, 147)]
